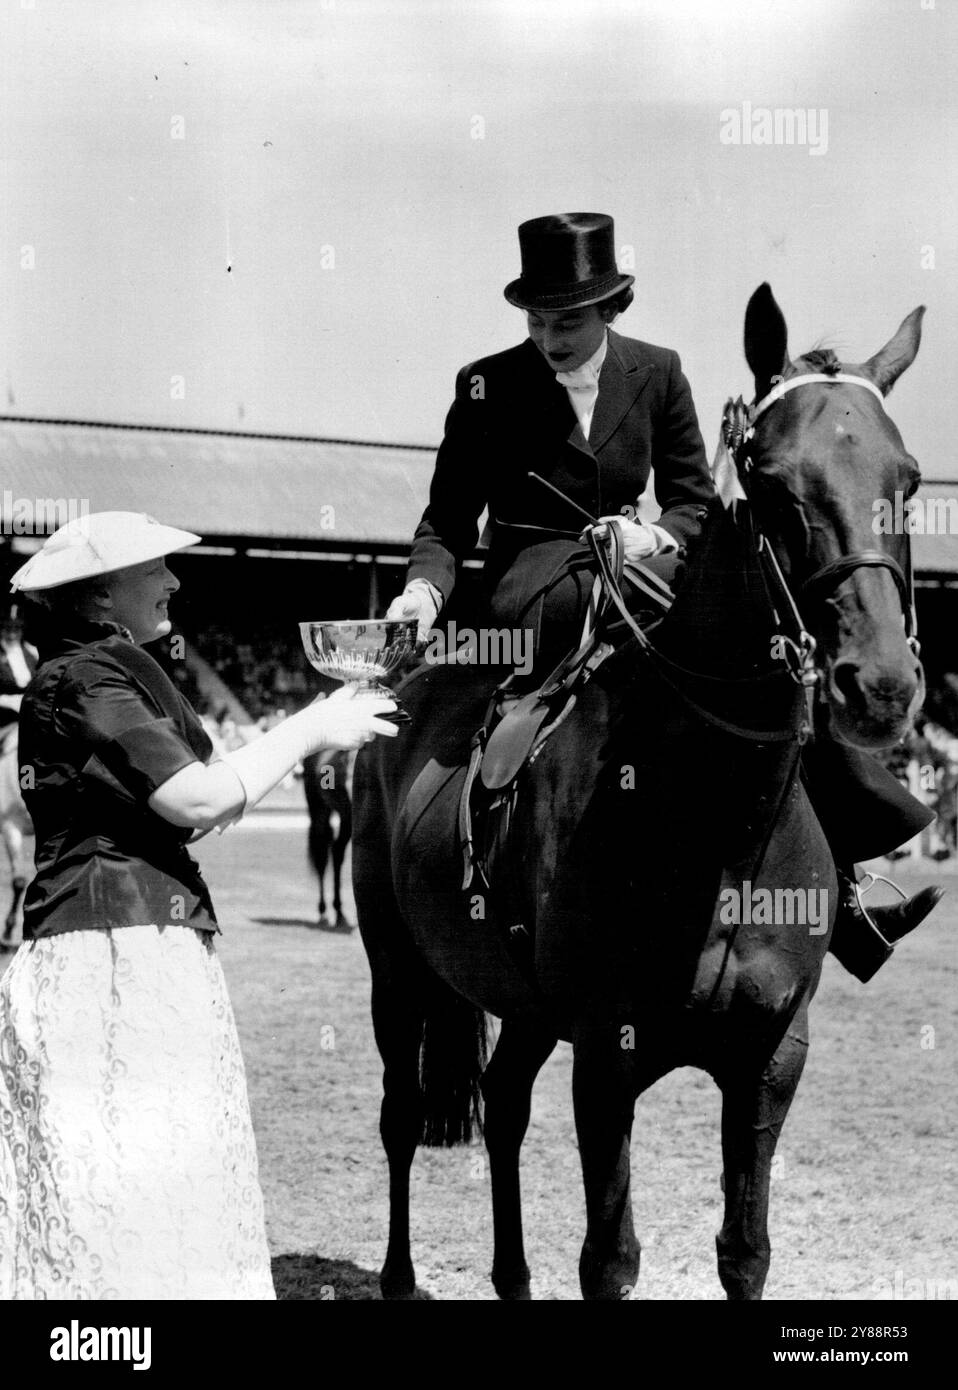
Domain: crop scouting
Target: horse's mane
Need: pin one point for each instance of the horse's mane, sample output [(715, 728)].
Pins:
[(821, 359)]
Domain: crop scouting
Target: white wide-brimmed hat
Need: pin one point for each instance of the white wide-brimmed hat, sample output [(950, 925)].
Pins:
[(98, 543)]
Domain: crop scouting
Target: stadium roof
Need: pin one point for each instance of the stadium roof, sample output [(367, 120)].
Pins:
[(329, 494), (332, 493)]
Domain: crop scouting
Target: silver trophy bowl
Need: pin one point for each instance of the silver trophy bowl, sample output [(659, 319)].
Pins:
[(361, 653)]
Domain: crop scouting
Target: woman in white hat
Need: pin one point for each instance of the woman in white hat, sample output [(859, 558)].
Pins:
[(127, 1159)]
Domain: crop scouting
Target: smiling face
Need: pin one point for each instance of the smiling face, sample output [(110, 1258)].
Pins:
[(567, 338), (138, 598)]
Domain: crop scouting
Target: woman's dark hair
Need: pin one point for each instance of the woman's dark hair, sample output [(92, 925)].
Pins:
[(62, 603), (616, 303), (64, 598)]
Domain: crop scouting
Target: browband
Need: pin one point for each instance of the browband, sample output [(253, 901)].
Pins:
[(783, 387)]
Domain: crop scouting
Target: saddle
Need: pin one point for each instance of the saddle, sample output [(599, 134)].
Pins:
[(517, 726)]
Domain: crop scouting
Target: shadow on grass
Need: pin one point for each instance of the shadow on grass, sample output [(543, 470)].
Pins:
[(310, 1277), (314, 924)]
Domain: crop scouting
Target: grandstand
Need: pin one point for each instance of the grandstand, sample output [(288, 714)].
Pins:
[(294, 528)]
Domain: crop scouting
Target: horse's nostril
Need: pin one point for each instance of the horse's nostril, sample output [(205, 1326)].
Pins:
[(845, 681)]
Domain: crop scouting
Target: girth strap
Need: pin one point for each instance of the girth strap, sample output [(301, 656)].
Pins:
[(465, 807)]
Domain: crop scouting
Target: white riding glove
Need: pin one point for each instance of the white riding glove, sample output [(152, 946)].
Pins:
[(419, 599), (344, 720), (639, 540)]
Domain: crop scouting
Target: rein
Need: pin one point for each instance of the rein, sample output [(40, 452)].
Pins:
[(605, 541), (739, 430), (660, 661)]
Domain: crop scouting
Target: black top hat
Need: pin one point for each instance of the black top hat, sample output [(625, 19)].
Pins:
[(568, 262)]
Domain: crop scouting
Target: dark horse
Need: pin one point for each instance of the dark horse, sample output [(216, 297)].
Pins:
[(626, 927), (326, 783)]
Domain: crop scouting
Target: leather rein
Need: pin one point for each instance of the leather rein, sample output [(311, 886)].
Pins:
[(739, 430)]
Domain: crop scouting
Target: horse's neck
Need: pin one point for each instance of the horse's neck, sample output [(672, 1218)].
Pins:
[(727, 742), (721, 621)]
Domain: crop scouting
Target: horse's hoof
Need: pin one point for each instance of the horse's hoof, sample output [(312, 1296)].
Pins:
[(608, 1293), (609, 1281), (343, 923), (398, 1285), (514, 1287)]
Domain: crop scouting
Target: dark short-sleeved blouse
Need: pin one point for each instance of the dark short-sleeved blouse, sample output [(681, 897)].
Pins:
[(101, 727)]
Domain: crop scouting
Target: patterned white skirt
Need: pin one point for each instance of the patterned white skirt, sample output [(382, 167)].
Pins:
[(127, 1158)]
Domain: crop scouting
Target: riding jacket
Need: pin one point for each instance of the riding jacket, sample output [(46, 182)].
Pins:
[(511, 417)]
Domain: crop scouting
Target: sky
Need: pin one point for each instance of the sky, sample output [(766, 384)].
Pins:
[(298, 217)]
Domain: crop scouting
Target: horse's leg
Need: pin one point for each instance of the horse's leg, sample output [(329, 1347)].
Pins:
[(603, 1091), (398, 1025), (398, 1014), (319, 842), (343, 837), (507, 1091), (753, 1112)]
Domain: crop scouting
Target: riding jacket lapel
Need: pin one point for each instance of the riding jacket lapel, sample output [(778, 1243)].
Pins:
[(547, 408), (621, 381)]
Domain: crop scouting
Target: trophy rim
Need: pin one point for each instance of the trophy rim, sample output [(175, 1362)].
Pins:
[(342, 655), (357, 622)]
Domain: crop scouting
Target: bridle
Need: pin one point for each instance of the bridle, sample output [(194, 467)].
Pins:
[(739, 429), (798, 650)]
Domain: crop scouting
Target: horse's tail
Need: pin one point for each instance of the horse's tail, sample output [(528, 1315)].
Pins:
[(452, 1058)]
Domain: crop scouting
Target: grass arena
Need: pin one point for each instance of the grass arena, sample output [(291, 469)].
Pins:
[(862, 1185)]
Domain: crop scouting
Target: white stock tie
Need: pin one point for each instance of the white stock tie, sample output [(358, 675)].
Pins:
[(583, 388)]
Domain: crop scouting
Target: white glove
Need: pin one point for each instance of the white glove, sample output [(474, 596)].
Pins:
[(344, 720), (419, 599), (347, 719), (639, 541)]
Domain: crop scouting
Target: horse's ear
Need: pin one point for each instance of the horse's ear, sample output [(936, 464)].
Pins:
[(766, 339), (898, 353)]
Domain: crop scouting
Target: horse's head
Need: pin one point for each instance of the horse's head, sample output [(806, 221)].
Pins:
[(820, 459)]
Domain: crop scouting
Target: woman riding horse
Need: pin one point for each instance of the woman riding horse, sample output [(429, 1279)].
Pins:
[(594, 414)]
